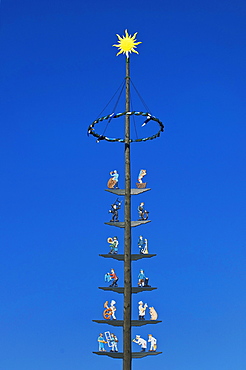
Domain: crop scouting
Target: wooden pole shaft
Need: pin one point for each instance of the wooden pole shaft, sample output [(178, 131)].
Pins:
[(127, 357)]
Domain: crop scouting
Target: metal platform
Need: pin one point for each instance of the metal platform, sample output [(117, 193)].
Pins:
[(133, 322), (120, 257), (122, 224), (122, 191), (120, 354), (134, 289)]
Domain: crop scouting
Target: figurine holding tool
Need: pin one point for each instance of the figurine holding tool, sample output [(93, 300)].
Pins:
[(143, 245), (101, 342), (109, 311), (153, 343), (143, 281), (114, 210), (143, 214), (141, 310), (112, 341), (111, 276), (113, 244), (114, 179), (141, 342)]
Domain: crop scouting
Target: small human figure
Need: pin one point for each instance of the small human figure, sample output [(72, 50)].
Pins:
[(114, 277), (141, 310), (114, 210), (141, 342), (143, 245), (153, 343), (113, 181), (109, 312), (109, 276), (143, 281), (141, 174), (153, 313), (113, 244), (143, 214), (101, 342), (114, 341), (113, 309)]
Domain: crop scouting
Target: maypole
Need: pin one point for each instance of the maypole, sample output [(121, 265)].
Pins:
[(127, 357), (126, 45)]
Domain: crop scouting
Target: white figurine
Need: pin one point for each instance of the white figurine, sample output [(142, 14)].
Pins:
[(109, 312), (141, 310), (112, 341), (113, 309), (153, 343), (141, 342), (153, 313), (142, 173)]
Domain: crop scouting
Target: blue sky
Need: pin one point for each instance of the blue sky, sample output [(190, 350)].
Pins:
[(58, 70)]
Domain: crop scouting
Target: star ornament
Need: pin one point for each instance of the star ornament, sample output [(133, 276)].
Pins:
[(127, 44)]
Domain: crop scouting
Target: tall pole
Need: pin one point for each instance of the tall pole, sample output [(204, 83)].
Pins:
[(127, 355)]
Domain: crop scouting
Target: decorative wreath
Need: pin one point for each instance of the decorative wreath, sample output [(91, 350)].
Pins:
[(92, 131)]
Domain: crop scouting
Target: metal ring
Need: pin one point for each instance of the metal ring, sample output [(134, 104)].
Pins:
[(91, 130)]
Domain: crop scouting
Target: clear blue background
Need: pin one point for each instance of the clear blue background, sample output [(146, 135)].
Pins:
[(58, 70)]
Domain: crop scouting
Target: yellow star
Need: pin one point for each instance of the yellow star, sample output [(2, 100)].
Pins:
[(127, 44)]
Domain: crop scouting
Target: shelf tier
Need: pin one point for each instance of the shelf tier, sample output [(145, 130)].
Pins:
[(122, 191), (120, 257), (120, 354), (122, 224), (134, 289), (133, 322)]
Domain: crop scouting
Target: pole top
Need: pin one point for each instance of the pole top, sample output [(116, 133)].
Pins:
[(127, 44)]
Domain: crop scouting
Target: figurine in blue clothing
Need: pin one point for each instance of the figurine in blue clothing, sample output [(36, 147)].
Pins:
[(113, 244), (143, 281), (143, 245), (101, 342), (114, 179)]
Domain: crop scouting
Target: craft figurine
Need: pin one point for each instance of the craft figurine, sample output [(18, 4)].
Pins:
[(111, 276), (113, 244), (143, 281), (114, 210), (153, 313), (141, 342), (140, 184), (141, 310), (114, 179), (153, 343), (109, 311), (101, 342), (143, 214), (143, 245), (112, 341)]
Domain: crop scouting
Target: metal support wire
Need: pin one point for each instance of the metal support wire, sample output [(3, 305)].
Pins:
[(117, 101), (134, 122), (120, 87), (140, 97)]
